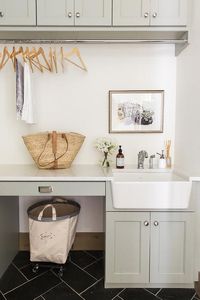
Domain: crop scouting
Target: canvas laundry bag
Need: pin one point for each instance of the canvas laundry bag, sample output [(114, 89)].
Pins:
[(52, 228)]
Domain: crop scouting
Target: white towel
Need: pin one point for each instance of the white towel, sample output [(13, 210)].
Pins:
[(19, 89), (28, 107)]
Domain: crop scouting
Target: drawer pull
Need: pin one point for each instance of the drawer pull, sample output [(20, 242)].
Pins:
[(45, 189), (146, 223)]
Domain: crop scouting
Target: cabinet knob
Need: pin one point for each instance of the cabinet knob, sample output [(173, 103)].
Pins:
[(1, 14), (154, 15), (156, 223), (78, 15), (146, 223), (69, 14), (146, 14)]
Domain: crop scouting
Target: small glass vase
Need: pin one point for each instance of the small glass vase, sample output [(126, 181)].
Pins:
[(105, 162)]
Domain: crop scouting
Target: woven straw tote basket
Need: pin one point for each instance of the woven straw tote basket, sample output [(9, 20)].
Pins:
[(53, 150)]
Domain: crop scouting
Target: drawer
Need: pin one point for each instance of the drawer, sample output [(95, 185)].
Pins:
[(61, 188)]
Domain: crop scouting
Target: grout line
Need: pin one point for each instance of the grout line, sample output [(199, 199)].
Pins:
[(94, 262), (84, 270), (19, 271), (39, 297), (90, 286), (67, 284), (2, 295), (49, 290), (118, 295), (193, 297), (73, 290), (25, 283), (93, 255), (153, 294), (158, 292)]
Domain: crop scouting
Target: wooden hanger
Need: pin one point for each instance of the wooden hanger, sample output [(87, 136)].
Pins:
[(42, 53), (4, 58), (36, 62), (13, 55), (62, 59), (75, 51), (55, 60)]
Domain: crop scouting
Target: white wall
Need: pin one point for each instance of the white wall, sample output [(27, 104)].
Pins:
[(187, 142), (78, 101)]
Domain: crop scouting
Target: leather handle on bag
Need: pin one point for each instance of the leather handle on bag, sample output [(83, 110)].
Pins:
[(54, 148)]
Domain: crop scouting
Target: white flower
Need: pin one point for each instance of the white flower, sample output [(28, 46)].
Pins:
[(105, 144)]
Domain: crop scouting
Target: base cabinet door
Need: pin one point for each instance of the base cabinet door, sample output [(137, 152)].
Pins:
[(17, 13), (127, 247), (171, 248)]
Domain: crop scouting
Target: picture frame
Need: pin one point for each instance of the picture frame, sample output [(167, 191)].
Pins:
[(136, 111)]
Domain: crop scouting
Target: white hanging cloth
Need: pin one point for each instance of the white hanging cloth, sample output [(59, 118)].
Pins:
[(28, 108), (19, 89)]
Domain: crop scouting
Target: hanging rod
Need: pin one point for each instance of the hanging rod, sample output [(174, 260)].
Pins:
[(134, 41)]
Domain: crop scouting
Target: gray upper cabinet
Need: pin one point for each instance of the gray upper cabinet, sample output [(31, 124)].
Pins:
[(131, 12), (74, 12), (93, 12), (169, 13), (55, 13), (150, 12), (17, 13)]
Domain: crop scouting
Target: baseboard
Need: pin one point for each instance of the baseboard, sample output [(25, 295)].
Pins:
[(83, 241)]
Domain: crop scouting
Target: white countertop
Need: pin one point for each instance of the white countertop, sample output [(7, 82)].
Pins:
[(75, 173)]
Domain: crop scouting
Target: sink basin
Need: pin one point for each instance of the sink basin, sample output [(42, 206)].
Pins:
[(147, 189)]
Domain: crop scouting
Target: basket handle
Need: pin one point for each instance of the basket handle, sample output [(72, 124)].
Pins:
[(54, 149), (40, 216)]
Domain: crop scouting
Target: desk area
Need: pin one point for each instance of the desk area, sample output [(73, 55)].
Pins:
[(27, 180)]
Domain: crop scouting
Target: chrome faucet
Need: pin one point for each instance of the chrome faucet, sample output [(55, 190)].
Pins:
[(141, 156), (151, 161)]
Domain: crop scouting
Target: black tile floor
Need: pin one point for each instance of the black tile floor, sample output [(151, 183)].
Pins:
[(83, 278)]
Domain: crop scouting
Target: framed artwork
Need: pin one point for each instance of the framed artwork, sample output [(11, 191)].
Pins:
[(136, 111)]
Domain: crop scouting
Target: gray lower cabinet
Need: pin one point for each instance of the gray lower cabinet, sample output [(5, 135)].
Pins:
[(74, 12), (144, 247), (17, 13), (127, 247), (171, 248)]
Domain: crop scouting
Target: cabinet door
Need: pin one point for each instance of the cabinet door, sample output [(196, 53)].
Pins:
[(127, 247), (171, 248), (131, 13), (93, 12), (169, 13), (55, 13), (17, 12)]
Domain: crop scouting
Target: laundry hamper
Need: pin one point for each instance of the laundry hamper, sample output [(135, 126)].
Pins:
[(52, 228)]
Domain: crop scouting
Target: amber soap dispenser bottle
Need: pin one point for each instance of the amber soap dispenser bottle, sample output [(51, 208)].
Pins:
[(120, 159)]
